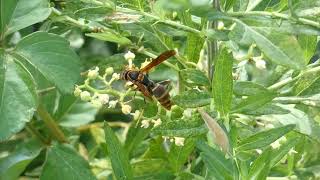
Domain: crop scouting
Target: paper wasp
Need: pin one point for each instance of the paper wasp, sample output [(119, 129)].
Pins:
[(148, 87)]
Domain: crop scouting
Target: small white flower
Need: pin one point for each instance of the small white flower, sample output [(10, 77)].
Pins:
[(116, 76), (103, 98), (109, 70), (292, 151), (171, 139), (126, 109), (260, 64), (259, 151), (275, 145), (165, 138), (144, 64), (156, 122), (93, 73), (269, 126), (96, 103), (282, 140), (136, 114), (85, 96), (179, 141), (220, 25), (128, 83), (187, 113), (145, 123), (77, 91), (113, 103), (129, 55)]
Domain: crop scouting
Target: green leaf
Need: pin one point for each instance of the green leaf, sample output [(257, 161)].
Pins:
[(14, 164), (181, 128), (149, 167), (63, 162), (194, 46), (304, 123), (95, 13), (251, 103), (119, 158), (52, 56), (306, 8), (192, 99), (281, 49), (222, 82), (266, 109), (110, 37), (265, 24), (18, 14), (73, 113), (134, 137), (194, 77), (261, 166), (178, 155), (307, 84), (248, 88), (18, 99), (278, 154), (264, 138), (217, 164), (308, 45)]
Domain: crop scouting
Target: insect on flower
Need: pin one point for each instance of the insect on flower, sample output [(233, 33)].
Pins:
[(139, 77)]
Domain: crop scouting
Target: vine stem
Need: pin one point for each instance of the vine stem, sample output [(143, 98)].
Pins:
[(51, 124), (32, 130), (276, 15)]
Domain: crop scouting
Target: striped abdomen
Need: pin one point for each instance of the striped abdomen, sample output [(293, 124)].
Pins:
[(162, 95)]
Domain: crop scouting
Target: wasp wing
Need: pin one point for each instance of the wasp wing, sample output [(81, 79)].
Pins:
[(162, 57)]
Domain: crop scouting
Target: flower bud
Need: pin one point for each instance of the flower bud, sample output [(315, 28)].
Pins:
[(109, 70), (187, 113), (93, 74), (145, 123), (103, 98), (113, 103), (260, 64), (129, 56), (85, 96), (156, 122), (220, 25), (77, 91), (116, 76), (96, 103), (126, 109), (136, 114), (179, 141)]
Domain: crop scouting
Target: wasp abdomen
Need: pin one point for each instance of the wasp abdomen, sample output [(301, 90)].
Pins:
[(162, 95)]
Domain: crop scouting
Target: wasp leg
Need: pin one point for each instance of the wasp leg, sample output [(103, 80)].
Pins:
[(165, 83)]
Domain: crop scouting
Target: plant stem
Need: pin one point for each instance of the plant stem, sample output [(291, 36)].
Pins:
[(168, 22), (276, 15), (51, 124), (32, 130), (212, 46), (288, 80)]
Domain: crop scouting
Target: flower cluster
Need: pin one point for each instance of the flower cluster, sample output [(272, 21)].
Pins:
[(108, 97), (178, 141)]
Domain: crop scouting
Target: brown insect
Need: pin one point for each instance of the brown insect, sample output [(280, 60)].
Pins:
[(148, 87)]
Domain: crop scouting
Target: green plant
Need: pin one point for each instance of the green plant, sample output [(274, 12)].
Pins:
[(244, 83)]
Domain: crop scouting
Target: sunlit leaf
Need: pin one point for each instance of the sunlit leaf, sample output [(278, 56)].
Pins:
[(222, 83), (63, 162), (264, 138), (18, 14), (119, 158), (18, 99)]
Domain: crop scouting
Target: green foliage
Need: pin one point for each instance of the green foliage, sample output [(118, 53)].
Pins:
[(244, 86)]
